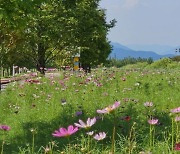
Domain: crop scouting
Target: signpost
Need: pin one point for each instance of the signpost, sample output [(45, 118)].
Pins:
[(76, 61)]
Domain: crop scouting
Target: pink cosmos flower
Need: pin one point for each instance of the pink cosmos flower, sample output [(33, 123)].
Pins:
[(153, 121), (177, 118), (176, 110), (4, 127), (148, 104), (33, 81), (100, 136), (99, 84), (109, 108), (86, 125), (63, 132), (123, 79)]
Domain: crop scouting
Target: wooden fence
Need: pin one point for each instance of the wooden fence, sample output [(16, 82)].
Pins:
[(14, 71)]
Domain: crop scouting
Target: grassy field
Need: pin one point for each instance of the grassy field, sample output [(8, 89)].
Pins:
[(36, 108)]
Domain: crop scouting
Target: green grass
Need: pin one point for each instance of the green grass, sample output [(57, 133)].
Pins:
[(38, 106)]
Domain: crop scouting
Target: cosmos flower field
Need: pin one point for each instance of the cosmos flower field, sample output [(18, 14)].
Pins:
[(108, 111)]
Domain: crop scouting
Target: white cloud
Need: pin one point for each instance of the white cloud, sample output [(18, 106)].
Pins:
[(128, 4)]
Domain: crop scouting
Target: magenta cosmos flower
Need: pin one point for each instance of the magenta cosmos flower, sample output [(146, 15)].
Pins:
[(177, 147), (153, 121), (86, 125), (4, 127), (109, 108), (176, 110), (63, 132), (100, 136)]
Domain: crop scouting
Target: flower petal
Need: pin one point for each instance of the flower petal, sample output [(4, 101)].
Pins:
[(63, 130), (96, 137), (93, 121), (82, 123), (88, 122), (75, 130), (101, 111), (78, 125), (70, 128), (115, 105)]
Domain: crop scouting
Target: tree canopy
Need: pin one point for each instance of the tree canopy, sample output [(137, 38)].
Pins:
[(41, 32)]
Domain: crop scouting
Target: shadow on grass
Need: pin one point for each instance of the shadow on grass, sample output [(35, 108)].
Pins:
[(44, 130), (43, 133)]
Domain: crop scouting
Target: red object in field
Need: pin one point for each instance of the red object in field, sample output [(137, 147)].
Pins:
[(177, 147), (127, 118), (32, 81)]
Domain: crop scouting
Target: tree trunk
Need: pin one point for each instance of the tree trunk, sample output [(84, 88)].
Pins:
[(41, 59), (86, 68)]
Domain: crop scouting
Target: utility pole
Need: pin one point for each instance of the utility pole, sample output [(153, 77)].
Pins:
[(176, 51)]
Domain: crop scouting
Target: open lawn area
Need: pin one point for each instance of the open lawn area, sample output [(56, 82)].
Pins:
[(137, 111)]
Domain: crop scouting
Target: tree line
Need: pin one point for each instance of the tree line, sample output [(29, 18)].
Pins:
[(41, 33)]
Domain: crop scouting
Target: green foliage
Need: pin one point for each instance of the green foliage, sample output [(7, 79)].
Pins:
[(90, 31), (126, 61), (138, 65), (164, 63), (40, 32), (176, 58)]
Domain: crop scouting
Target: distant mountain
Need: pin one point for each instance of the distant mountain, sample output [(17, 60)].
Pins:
[(159, 49), (120, 51)]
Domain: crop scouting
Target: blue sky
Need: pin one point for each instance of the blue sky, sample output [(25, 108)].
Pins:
[(144, 21)]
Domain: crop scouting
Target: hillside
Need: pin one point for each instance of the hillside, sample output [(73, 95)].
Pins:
[(120, 51)]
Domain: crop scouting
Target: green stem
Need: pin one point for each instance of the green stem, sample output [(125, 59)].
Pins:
[(88, 143), (113, 139), (172, 133), (153, 138), (150, 136), (52, 146), (130, 136), (102, 146), (3, 141), (33, 143), (69, 145), (177, 132), (2, 147)]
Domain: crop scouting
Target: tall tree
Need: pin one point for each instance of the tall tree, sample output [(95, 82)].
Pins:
[(43, 30), (13, 20), (91, 32)]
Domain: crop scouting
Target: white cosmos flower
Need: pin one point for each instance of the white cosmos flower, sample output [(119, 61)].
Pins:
[(86, 125)]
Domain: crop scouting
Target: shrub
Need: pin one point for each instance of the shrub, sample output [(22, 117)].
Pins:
[(126, 61), (162, 63), (139, 65), (174, 65), (176, 58)]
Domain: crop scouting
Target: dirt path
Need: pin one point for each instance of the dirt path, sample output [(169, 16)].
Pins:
[(5, 82)]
